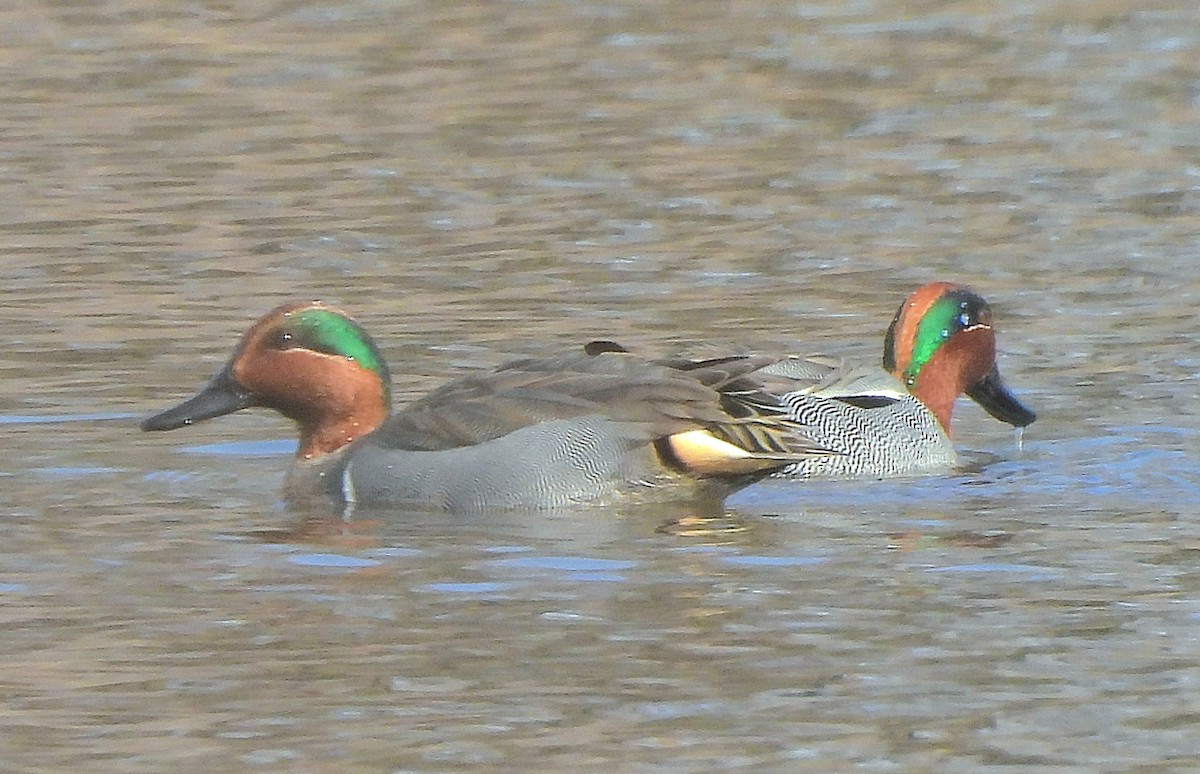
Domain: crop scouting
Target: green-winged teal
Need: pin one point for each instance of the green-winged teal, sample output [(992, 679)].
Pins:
[(533, 433), (896, 421)]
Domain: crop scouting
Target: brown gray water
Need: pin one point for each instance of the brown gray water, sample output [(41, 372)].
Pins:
[(475, 180)]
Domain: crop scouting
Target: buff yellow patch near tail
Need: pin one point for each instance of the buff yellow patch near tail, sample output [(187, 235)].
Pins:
[(700, 453)]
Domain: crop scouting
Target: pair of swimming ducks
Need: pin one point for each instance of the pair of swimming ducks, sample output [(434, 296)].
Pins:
[(603, 424)]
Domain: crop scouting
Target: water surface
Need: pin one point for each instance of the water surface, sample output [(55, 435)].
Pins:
[(479, 180)]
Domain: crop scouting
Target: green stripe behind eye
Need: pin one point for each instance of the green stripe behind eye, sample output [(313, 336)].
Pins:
[(936, 326), (323, 330)]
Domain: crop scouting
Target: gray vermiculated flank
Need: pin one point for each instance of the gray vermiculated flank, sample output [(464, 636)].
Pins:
[(550, 464)]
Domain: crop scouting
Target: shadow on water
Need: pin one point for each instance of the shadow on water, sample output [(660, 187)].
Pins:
[(577, 529)]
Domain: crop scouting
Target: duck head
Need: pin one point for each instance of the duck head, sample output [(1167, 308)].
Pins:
[(308, 361), (941, 345)]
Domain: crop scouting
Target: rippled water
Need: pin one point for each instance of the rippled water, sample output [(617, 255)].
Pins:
[(476, 180)]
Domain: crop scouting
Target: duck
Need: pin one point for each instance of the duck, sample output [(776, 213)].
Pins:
[(896, 420), (537, 433)]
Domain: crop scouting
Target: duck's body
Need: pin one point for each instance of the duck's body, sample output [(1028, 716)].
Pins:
[(534, 433), (552, 432), (879, 429), (896, 421)]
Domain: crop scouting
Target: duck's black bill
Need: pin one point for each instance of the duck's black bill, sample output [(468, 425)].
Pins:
[(219, 397), (995, 397)]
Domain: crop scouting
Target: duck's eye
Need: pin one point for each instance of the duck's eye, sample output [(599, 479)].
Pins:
[(280, 340)]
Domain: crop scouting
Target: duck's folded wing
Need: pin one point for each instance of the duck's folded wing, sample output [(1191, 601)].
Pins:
[(824, 376), (655, 398)]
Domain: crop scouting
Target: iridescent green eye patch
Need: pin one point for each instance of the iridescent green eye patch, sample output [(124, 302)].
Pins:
[(945, 318), (323, 330)]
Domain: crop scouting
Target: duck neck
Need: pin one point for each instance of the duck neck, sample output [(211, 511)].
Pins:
[(938, 397), (330, 433), (959, 363), (338, 411)]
